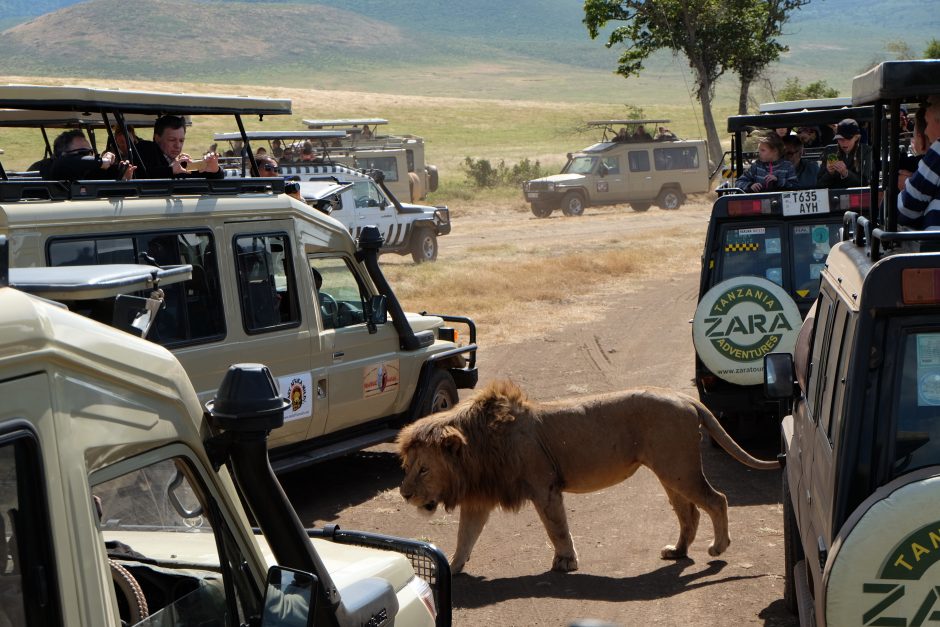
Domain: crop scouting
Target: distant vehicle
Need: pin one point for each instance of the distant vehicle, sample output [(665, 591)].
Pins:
[(620, 169), (861, 446), (775, 245), (401, 157), (406, 228)]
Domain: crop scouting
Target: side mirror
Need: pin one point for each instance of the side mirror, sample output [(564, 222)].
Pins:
[(377, 312), (779, 376), (290, 598)]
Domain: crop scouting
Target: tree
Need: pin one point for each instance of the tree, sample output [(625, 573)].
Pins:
[(900, 49), (705, 31), (932, 51), (794, 90), (765, 20)]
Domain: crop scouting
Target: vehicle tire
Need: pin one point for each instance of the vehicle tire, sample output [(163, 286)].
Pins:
[(670, 198), (433, 178), (424, 245), (442, 393), (792, 549), (640, 206), (572, 204), (541, 211), (415, 187)]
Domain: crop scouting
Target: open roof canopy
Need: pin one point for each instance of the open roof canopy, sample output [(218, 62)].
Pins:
[(344, 122), (897, 80), (271, 135), (625, 122), (801, 105), (798, 118), (94, 100), (29, 118)]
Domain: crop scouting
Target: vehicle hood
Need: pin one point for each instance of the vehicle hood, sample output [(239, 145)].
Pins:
[(562, 178), (411, 208), (423, 323)]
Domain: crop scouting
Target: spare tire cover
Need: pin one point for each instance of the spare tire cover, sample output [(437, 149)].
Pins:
[(739, 321), (883, 567)]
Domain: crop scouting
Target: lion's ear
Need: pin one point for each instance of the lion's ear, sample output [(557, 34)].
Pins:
[(452, 439)]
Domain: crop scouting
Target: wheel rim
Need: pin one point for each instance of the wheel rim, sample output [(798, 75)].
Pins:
[(427, 248), (441, 401), (575, 206), (671, 200)]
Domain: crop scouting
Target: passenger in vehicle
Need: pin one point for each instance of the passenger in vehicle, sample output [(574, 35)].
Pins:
[(807, 170), (663, 134), (782, 132), (366, 132), (74, 159), (640, 135), (164, 157), (623, 135), (846, 163), (770, 171), (120, 141), (919, 201), (809, 136), (919, 143), (267, 167), (276, 149)]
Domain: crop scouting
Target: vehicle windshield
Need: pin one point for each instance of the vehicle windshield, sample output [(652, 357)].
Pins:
[(580, 165), (916, 401)]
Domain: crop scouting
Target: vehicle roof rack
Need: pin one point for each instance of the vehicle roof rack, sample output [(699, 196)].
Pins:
[(32, 118), (345, 122), (94, 100), (269, 135), (613, 122), (798, 105), (799, 118), (895, 80), (18, 190)]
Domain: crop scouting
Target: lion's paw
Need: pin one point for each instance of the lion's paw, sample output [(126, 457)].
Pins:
[(456, 567), (565, 563), (670, 552), (715, 550)]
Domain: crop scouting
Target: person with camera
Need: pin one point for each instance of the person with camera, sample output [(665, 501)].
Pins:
[(74, 160), (267, 166), (163, 158)]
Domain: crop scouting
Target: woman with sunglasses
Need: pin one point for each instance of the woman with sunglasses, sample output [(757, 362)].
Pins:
[(74, 160), (267, 166)]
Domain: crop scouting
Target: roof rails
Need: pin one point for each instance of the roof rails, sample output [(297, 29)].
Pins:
[(799, 105), (624, 122), (813, 117), (16, 190), (271, 135), (31, 118), (345, 122)]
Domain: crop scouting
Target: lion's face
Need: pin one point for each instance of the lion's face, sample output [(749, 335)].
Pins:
[(427, 482)]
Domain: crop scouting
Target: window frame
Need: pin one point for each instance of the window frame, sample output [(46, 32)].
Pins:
[(290, 276)]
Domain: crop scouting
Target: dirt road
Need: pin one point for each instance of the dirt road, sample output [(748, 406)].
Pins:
[(640, 335)]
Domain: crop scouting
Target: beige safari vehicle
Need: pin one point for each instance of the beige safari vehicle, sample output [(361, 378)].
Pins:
[(273, 280), (623, 168), (401, 158), (123, 501)]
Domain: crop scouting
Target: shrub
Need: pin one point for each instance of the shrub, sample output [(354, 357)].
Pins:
[(481, 173)]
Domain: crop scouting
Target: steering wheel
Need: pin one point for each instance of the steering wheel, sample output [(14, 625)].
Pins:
[(131, 592), (329, 308), (362, 201)]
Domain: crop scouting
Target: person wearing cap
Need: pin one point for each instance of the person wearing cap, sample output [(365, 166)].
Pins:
[(846, 163), (919, 201)]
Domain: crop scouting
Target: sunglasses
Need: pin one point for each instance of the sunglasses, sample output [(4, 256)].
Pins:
[(79, 152), (267, 167)]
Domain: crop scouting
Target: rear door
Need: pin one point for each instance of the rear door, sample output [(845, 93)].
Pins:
[(640, 174)]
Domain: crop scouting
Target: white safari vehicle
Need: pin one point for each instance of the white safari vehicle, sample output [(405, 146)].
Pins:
[(122, 499), (407, 229), (861, 487), (273, 279), (623, 169)]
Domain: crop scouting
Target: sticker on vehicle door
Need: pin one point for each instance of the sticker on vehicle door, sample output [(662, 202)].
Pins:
[(380, 378), (296, 388)]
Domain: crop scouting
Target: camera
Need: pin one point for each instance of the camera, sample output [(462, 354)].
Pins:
[(291, 187)]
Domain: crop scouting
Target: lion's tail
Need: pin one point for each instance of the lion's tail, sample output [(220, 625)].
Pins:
[(717, 432)]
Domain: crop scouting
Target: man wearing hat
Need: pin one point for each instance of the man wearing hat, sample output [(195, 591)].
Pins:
[(847, 163)]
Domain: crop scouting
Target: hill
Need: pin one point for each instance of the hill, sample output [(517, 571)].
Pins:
[(527, 49)]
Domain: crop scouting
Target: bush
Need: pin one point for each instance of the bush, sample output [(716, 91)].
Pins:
[(480, 172), (794, 90)]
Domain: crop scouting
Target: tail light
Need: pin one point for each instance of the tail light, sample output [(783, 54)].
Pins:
[(920, 286), (749, 207)]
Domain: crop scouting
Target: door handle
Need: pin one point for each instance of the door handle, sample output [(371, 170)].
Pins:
[(338, 354)]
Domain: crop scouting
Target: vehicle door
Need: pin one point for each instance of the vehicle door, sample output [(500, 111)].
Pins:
[(267, 325), (361, 369), (640, 175), (611, 182), (373, 208)]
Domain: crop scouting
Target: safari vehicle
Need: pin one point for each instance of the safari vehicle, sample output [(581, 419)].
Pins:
[(272, 278), (122, 501), (861, 485), (760, 273), (618, 170), (400, 157), (407, 228)]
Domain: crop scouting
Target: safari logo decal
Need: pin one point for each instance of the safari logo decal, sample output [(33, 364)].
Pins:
[(296, 389), (380, 378), (741, 320)]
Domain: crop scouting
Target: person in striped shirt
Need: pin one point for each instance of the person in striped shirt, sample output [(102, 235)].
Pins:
[(919, 201)]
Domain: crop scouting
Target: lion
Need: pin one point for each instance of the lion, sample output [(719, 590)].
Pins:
[(500, 449)]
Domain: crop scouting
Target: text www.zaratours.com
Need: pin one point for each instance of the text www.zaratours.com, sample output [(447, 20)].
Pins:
[(741, 370)]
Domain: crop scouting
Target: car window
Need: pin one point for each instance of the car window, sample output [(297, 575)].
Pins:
[(750, 251), (817, 366), (266, 282), (193, 311), (639, 160), (367, 194), (580, 165), (810, 244), (159, 522), (388, 166), (340, 294), (916, 405), (675, 158), (612, 163)]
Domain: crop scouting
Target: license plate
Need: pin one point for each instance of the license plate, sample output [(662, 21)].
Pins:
[(532, 195), (805, 202)]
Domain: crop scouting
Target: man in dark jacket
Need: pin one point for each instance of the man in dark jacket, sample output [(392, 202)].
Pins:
[(163, 158), (847, 163), (74, 160)]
